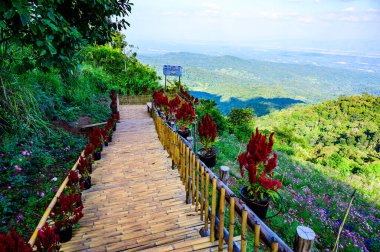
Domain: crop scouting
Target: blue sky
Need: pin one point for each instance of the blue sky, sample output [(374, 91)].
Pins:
[(244, 22)]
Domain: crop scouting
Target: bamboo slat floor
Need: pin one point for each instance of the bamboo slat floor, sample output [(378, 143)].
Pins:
[(137, 202)]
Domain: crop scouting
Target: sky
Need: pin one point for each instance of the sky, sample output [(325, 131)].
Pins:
[(259, 22)]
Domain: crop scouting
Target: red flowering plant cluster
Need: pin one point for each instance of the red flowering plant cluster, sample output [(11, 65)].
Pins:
[(108, 129), (83, 168), (259, 163), (87, 153), (185, 115), (173, 106), (13, 242), (66, 212), (189, 98), (73, 186), (113, 104), (162, 102), (96, 139), (47, 239), (207, 132)]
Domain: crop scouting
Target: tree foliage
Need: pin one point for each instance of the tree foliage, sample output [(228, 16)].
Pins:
[(57, 29)]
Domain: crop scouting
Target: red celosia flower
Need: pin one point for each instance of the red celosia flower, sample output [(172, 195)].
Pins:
[(258, 163), (207, 132), (185, 115), (83, 167), (88, 150), (13, 242), (66, 213), (47, 239), (145, 89), (161, 101), (96, 138), (173, 105)]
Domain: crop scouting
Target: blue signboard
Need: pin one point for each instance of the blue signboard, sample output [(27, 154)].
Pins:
[(172, 70)]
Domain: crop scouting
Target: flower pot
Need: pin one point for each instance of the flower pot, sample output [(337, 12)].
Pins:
[(114, 127), (259, 207), (90, 168), (106, 143), (110, 139), (80, 203), (208, 158), (184, 133), (65, 233), (97, 155), (87, 183)]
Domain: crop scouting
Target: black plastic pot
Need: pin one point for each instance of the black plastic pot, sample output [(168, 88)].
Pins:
[(114, 127), (106, 143), (87, 183), (97, 155), (208, 158), (80, 203), (184, 133), (65, 233), (259, 207), (90, 168), (110, 139)]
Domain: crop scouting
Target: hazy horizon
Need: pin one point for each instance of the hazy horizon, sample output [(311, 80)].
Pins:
[(342, 26)]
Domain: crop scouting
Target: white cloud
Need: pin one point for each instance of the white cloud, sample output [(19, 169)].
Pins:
[(349, 9)]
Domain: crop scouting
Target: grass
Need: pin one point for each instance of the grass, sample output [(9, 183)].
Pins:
[(314, 199)]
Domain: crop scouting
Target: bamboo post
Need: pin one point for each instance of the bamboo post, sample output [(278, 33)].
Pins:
[(221, 219), (274, 246), (304, 239), (207, 199), (202, 191), (197, 185), (232, 225), (183, 162), (213, 210), (187, 165), (193, 176), (344, 220), (257, 236), (224, 174), (188, 191), (244, 231)]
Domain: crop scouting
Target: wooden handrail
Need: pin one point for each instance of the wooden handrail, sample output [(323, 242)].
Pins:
[(266, 234)]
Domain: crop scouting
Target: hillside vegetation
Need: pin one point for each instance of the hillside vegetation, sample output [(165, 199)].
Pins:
[(343, 134), (237, 81)]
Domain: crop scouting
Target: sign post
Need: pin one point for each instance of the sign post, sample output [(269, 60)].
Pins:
[(172, 71)]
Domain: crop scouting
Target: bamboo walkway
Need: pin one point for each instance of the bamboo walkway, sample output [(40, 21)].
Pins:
[(137, 202)]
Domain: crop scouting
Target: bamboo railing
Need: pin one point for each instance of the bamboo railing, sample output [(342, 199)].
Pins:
[(196, 178)]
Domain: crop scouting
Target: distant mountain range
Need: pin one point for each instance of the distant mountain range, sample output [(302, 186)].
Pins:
[(264, 85)]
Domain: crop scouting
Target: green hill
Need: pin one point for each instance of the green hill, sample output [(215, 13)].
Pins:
[(231, 77), (343, 134)]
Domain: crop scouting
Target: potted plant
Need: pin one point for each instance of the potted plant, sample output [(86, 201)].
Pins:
[(162, 103), (87, 153), (185, 115), (96, 139), (47, 239), (259, 163), (173, 107), (83, 168), (208, 137), (65, 214)]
